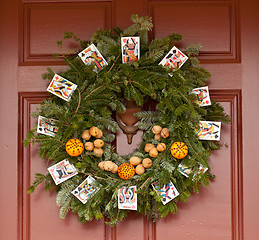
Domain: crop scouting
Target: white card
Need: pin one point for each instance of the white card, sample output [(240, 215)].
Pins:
[(168, 191), (62, 171), (174, 58), (47, 126), (127, 198), (130, 49), (91, 55), (61, 87), (209, 130), (203, 96), (85, 189)]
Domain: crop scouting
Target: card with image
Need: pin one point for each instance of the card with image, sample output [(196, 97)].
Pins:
[(61, 87), (62, 171), (203, 97), (174, 58), (130, 49), (85, 189), (47, 126), (186, 171), (127, 198), (91, 55), (168, 191), (209, 130)]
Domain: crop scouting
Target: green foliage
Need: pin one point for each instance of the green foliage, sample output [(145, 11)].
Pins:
[(99, 95)]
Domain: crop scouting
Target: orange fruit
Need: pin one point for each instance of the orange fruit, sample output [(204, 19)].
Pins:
[(126, 171), (179, 150), (74, 147)]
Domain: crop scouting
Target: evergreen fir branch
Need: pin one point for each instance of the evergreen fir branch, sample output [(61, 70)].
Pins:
[(65, 208), (94, 91), (144, 22), (69, 35), (148, 114), (30, 138), (48, 75), (39, 178), (173, 207), (143, 89), (184, 196), (143, 37), (131, 30), (193, 50), (137, 96)]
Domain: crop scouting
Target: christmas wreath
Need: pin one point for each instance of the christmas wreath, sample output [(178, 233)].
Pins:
[(104, 82)]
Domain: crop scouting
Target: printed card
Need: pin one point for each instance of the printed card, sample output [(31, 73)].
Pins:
[(91, 55), (168, 191), (62, 171), (61, 87), (201, 170), (203, 97), (130, 49), (209, 130), (186, 171), (174, 58), (47, 126), (127, 198), (85, 189)]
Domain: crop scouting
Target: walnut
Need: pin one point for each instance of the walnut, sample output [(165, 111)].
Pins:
[(98, 143), (99, 134), (135, 160), (94, 131), (108, 165), (153, 152), (147, 162), (140, 169), (158, 137), (161, 147), (156, 129), (89, 146), (86, 135), (149, 146), (115, 168), (165, 133), (98, 151), (101, 165)]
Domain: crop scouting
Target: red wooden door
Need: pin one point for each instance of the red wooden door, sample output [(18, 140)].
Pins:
[(228, 31)]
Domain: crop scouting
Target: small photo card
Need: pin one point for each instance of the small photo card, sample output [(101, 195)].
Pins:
[(85, 189), (203, 97), (168, 191), (127, 198), (174, 58), (47, 126), (130, 49), (186, 171), (91, 55), (62, 171), (61, 87), (209, 130)]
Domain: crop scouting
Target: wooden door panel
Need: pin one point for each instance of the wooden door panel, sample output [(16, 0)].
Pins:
[(28, 39), (45, 23), (213, 24), (221, 200)]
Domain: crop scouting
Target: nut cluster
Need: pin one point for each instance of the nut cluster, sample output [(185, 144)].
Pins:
[(140, 164), (108, 166), (153, 150), (98, 143), (160, 132)]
